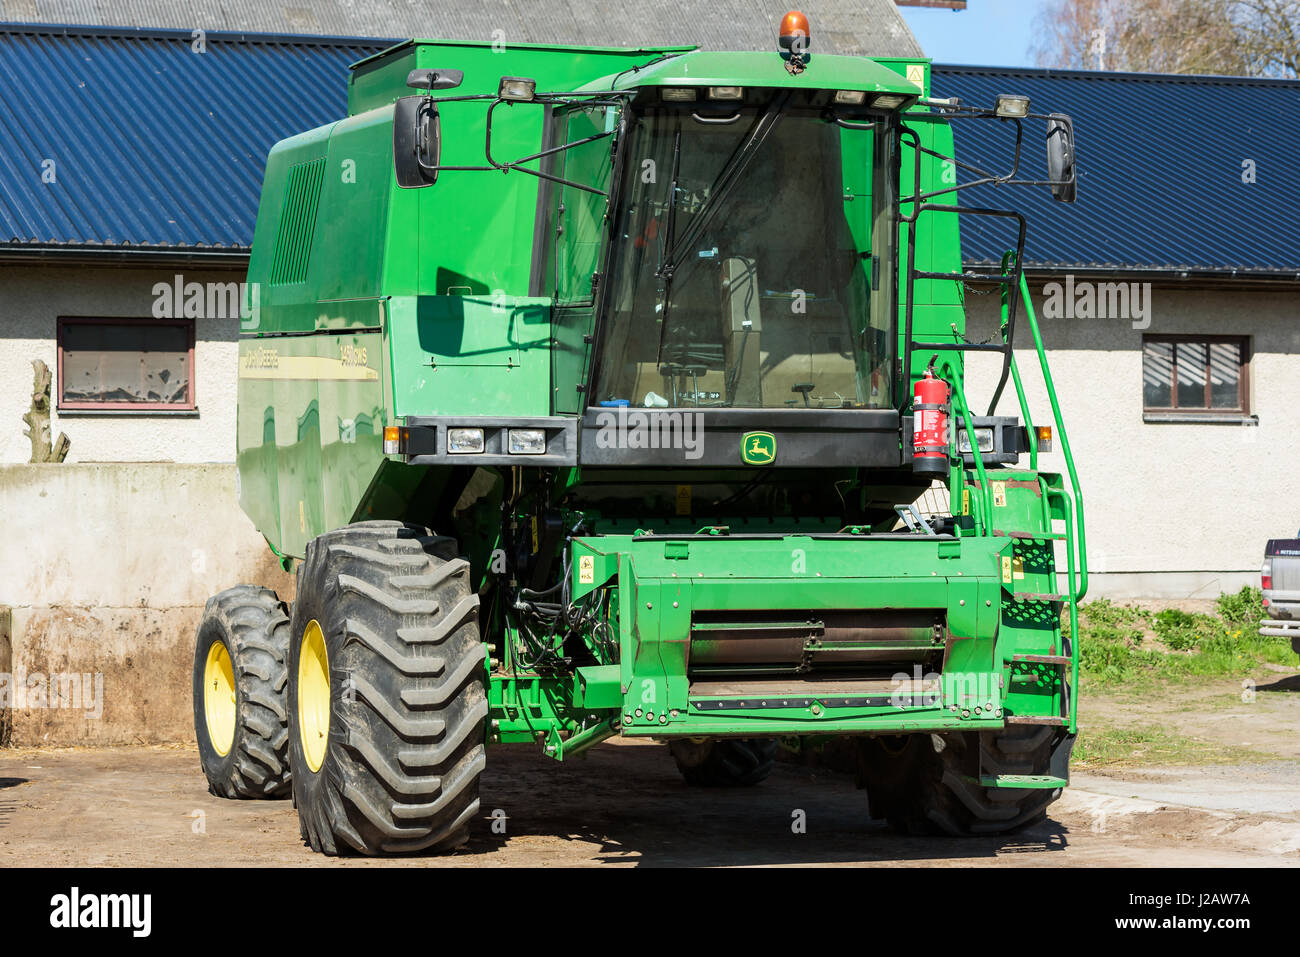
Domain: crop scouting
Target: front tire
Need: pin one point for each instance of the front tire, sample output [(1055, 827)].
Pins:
[(928, 784), (241, 693), (386, 696)]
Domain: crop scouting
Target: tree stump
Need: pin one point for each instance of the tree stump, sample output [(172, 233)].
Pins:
[(38, 419)]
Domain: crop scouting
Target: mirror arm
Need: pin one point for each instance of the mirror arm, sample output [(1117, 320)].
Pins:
[(1020, 139), (515, 164), (431, 170), (552, 151)]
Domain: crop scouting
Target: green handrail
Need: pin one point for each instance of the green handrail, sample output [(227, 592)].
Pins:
[(1068, 504), (1015, 368), (1065, 440), (1071, 507)]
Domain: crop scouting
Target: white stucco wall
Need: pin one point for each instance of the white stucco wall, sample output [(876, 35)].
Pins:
[(1173, 510), (32, 298)]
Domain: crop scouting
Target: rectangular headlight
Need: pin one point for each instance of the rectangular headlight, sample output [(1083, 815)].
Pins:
[(527, 441), (984, 437), (517, 89), (726, 93), (1010, 105), (679, 94), (464, 441), (851, 97)]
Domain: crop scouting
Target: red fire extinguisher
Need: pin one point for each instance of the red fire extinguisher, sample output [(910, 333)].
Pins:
[(930, 424)]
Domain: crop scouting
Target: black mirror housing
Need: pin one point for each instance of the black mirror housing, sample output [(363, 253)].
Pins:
[(417, 141), (1060, 158)]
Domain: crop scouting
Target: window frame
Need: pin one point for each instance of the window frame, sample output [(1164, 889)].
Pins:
[(556, 133), (883, 227), (189, 407), (1243, 344)]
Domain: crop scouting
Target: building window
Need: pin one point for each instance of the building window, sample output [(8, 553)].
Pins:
[(126, 365), (1195, 374)]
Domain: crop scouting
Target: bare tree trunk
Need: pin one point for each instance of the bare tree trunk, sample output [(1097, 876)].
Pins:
[(38, 419), (6, 669)]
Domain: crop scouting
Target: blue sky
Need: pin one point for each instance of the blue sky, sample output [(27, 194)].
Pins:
[(986, 33)]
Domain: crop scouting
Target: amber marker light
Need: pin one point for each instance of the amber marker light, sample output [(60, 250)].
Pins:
[(794, 25)]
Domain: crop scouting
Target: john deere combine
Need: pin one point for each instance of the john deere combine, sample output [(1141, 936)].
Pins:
[(601, 392)]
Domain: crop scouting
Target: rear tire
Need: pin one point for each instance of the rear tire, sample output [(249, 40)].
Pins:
[(921, 783), (724, 762), (387, 754), (241, 693)]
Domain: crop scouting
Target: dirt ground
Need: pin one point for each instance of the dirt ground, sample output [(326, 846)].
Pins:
[(626, 805)]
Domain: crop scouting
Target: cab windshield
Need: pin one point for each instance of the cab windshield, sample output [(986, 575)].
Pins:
[(753, 264)]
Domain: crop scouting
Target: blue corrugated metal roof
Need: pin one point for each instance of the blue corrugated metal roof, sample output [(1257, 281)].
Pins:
[(154, 146), (1160, 171)]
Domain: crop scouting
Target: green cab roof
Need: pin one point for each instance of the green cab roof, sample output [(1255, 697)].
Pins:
[(493, 45), (707, 68)]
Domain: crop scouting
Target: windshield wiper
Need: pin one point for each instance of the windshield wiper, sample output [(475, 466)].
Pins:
[(722, 187), (670, 220), (728, 176)]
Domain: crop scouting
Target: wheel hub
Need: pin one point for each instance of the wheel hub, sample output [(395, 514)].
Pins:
[(313, 696), (219, 698)]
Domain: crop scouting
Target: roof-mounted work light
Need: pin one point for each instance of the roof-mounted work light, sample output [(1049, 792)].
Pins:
[(1010, 106), (517, 89)]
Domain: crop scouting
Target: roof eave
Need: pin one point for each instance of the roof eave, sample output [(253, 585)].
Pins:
[(92, 254), (1176, 274)]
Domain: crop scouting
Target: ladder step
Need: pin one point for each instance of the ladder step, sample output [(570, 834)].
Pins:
[(1037, 596), (1030, 536), (1034, 719), (1044, 659), (1021, 781)]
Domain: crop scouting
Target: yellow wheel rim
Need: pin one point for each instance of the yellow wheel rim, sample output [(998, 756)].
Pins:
[(219, 698), (313, 696)]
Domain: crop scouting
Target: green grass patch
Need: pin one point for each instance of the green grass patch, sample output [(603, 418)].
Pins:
[(1099, 747), (1122, 644)]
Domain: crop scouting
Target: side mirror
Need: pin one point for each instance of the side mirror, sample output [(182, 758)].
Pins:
[(417, 141), (435, 79), (1060, 158)]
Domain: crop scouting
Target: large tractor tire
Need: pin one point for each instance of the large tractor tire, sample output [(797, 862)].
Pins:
[(928, 783), (386, 695), (724, 762), (241, 694)]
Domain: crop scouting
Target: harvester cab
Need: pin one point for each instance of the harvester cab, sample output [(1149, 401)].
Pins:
[(622, 392)]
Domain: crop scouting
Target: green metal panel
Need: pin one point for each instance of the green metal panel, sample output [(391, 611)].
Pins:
[(380, 79), (322, 416), (709, 68), (469, 355)]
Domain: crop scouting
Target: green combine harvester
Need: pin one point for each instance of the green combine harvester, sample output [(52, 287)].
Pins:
[(599, 392)]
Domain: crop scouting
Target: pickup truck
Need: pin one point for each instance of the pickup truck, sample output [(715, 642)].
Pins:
[(1280, 582)]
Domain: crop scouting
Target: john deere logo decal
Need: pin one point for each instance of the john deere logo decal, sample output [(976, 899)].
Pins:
[(758, 448)]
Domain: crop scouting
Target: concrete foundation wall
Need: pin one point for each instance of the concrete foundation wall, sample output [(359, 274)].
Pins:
[(106, 570), (33, 298), (1173, 510)]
